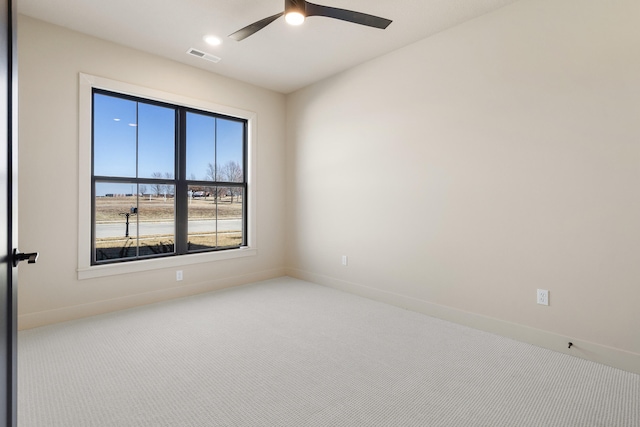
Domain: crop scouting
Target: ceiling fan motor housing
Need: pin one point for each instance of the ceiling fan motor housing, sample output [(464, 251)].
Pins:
[(299, 6)]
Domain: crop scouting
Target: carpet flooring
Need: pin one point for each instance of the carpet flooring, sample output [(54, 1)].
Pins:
[(290, 353)]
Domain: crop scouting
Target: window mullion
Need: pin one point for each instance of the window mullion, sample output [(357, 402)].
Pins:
[(181, 198), (137, 127)]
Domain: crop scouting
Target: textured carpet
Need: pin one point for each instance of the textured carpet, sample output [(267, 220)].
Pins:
[(289, 353)]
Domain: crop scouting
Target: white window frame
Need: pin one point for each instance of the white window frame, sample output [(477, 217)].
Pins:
[(87, 271)]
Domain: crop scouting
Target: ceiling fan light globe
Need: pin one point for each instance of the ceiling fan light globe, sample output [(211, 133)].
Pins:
[(294, 18)]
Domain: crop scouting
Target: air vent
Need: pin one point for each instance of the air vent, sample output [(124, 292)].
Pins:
[(203, 55)]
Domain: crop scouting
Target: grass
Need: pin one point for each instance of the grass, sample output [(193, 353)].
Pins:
[(111, 209)]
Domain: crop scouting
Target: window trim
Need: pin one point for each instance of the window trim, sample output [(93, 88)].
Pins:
[(85, 270)]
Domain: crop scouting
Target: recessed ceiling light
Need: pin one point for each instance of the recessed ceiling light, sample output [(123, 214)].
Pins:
[(212, 40)]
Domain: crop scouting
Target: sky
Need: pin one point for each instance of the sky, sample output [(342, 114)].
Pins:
[(122, 126)]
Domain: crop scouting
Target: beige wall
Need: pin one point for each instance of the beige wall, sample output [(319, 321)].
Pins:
[(463, 172), (458, 174), (50, 59)]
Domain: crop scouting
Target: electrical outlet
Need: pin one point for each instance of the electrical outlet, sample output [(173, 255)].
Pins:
[(344, 260), (543, 297), (178, 275)]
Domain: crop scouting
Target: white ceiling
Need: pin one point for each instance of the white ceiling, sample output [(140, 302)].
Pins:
[(279, 57)]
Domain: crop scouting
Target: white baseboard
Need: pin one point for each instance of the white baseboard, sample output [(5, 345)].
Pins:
[(42, 318), (610, 356)]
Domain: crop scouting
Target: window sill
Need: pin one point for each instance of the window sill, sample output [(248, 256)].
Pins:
[(105, 270)]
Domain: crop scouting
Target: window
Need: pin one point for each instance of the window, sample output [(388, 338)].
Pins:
[(167, 180), (161, 176)]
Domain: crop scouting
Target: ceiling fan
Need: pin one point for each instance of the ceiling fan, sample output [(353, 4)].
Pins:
[(295, 11)]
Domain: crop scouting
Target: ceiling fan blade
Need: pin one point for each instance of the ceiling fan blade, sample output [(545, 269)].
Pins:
[(347, 15), (254, 28)]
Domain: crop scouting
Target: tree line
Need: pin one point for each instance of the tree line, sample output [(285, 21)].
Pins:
[(231, 171)]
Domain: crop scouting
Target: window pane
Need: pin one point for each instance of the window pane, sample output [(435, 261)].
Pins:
[(115, 215), (156, 219), (215, 217), (229, 150), (230, 222), (114, 136), (156, 140), (202, 228), (201, 155)]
